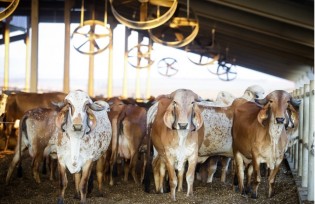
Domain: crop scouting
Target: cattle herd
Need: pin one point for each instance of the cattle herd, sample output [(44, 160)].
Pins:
[(179, 136)]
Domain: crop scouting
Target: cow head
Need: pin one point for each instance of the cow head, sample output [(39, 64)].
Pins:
[(253, 92), (3, 102), (183, 113), (278, 107), (76, 113)]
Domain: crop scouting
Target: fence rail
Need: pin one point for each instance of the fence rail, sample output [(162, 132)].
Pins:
[(300, 154)]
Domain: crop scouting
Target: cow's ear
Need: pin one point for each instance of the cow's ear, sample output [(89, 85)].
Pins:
[(293, 115), (263, 115), (169, 117), (91, 121), (61, 119), (197, 120)]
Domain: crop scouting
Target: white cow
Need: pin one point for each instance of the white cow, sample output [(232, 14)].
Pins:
[(85, 134)]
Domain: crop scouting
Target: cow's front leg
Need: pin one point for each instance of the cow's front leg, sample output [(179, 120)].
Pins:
[(271, 180), (77, 179), (180, 175), (86, 172), (172, 178), (63, 182), (190, 175)]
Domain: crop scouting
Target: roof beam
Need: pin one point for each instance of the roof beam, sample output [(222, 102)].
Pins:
[(303, 13), (253, 22)]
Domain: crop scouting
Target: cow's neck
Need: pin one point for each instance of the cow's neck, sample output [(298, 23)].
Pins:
[(181, 152), (275, 131)]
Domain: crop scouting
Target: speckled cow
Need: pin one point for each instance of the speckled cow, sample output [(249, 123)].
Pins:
[(34, 136), (218, 117), (85, 134)]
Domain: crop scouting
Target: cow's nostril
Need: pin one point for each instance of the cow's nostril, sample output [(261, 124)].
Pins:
[(280, 120), (77, 127), (182, 126)]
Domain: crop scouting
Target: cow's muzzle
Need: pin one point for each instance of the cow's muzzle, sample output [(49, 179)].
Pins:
[(182, 126), (77, 127), (280, 120)]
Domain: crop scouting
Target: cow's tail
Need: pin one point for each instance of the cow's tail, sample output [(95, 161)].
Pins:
[(148, 167), (22, 128)]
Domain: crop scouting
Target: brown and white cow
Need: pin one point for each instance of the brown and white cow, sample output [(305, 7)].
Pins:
[(129, 130), (85, 134), (259, 136), (217, 141), (18, 103), (175, 139), (36, 128)]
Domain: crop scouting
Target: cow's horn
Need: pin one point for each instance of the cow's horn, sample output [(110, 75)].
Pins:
[(96, 107), (58, 104)]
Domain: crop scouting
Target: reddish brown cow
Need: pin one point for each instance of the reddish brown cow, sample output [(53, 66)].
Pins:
[(17, 104), (129, 129), (259, 136), (34, 135), (175, 139)]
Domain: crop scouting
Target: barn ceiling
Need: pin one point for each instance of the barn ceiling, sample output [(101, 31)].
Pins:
[(271, 36)]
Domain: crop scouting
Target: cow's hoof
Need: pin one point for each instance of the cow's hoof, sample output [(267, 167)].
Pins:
[(60, 201), (99, 194), (254, 196), (236, 189), (77, 196)]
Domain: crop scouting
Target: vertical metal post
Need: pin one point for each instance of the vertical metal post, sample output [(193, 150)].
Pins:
[(306, 107), (148, 86), (91, 60), (66, 68), (110, 68), (300, 132), (296, 146), (137, 96), (6, 52), (125, 78), (27, 61), (310, 185), (34, 46)]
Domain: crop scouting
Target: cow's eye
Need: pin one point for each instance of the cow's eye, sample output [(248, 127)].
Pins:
[(270, 101)]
